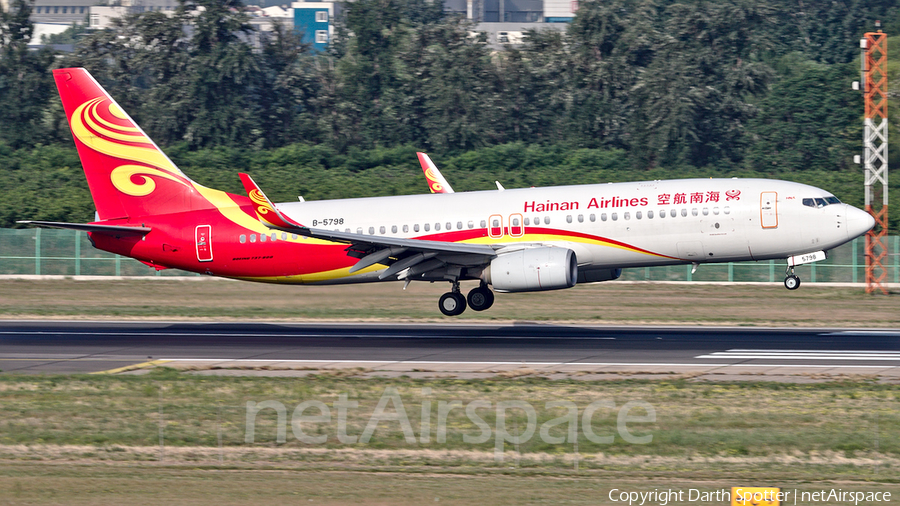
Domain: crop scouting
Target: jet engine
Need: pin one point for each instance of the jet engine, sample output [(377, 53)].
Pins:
[(533, 269)]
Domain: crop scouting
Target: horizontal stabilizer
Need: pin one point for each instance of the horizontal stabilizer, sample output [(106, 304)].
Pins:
[(91, 227)]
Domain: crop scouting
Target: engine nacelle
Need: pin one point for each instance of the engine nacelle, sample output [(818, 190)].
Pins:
[(598, 275), (533, 269)]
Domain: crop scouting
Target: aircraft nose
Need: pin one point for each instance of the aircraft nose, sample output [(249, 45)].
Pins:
[(858, 222)]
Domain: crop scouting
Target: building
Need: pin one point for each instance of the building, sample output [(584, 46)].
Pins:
[(78, 11), (505, 21), (314, 21), (514, 11)]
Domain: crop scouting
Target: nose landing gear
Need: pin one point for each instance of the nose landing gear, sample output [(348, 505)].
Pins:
[(791, 280)]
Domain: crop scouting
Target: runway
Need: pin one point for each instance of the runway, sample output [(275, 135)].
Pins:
[(87, 347)]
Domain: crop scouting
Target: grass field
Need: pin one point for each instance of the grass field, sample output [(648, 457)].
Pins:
[(603, 303), (97, 440)]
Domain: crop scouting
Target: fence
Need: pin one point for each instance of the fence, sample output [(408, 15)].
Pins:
[(69, 253)]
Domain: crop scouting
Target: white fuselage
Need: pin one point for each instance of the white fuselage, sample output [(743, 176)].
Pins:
[(613, 225)]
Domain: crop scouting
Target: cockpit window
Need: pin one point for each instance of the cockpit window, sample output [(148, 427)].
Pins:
[(820, 202)]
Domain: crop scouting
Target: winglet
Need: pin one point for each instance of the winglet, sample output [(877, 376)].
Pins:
[(265, 210), (436, 181)]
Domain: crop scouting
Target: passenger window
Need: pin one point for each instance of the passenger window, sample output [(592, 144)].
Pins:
[(821, 203), (672, 213), (716, 211), (832, 200), (649, 215), (381, 230), (274, 236), (580, 218), (627, 215), (263, 237), (294, 236), (252, 237), (405, 229), (243, 238), (662, 214), (483, 224), (394, 229), (515, 222), (694, 212), (614, 216), (637, 215), (471, 224), (569, 219), (458, 225), (593, 217), (527, 222), (449, 226), (546, 220), (537, 220), (727, 210), (603, 217), (427, 227), (416, 227), (371, 230), (705, 211), (684, 212)]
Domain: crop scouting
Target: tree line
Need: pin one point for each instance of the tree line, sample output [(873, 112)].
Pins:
[(678, 87)]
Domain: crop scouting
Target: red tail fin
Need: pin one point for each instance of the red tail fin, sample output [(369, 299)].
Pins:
[(128, 175)]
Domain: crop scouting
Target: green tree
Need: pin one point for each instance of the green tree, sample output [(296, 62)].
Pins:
[(453, 88), (696, 96), (26, 83), (809, 121), (610, 44)]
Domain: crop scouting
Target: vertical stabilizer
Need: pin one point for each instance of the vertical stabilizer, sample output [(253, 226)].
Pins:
[(128, 175)]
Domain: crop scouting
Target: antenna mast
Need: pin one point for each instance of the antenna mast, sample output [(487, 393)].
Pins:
[(875, 154)]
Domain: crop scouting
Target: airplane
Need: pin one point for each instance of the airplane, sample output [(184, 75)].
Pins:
[(516, 240)]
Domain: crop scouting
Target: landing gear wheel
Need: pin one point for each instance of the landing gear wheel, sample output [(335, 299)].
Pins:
[(452, 304), (480, 298), (792, 282)]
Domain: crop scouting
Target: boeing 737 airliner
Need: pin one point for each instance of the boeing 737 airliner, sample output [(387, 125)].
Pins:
[(516, 240)]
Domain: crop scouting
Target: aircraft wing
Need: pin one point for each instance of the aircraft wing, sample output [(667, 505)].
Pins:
[(398, 254)]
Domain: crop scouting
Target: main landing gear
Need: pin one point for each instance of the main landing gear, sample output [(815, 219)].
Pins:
[(453, 303), (791, 280)]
